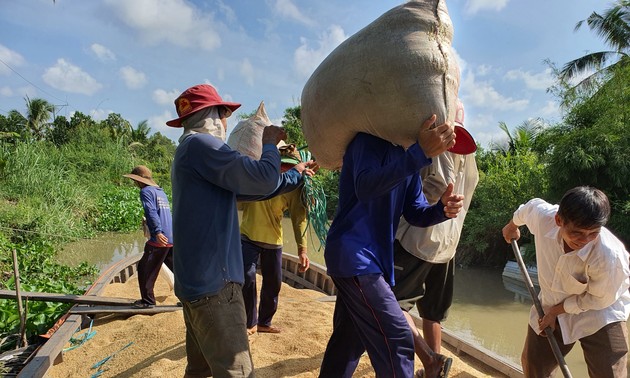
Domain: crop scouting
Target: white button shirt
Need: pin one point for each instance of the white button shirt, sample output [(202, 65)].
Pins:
[(593, 281), (437, 244)]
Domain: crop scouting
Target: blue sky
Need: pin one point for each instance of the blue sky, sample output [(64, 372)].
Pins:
[(134, 57)]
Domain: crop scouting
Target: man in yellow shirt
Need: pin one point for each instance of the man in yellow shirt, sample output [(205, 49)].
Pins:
[(261, 238)]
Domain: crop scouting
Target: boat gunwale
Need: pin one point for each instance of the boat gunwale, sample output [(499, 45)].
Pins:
[(315, 278), (50, 352)]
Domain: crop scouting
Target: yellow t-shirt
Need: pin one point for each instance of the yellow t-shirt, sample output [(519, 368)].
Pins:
[(262, 220)]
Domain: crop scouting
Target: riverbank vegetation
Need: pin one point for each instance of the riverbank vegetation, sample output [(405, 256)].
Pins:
[(61, 179)]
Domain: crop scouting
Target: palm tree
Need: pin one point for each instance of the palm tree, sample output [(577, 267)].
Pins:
[(38, 116), (118, 127), (614, 27), (141, 133), (15, 122), (523, 138)]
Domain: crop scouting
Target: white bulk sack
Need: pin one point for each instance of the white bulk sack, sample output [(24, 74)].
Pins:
[(246, 137), (385, 80)]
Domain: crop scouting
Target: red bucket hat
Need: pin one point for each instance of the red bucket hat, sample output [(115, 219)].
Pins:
[(464, 142), (196, 98)]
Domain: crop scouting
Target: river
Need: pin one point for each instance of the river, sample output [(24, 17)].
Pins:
[(483, 310)]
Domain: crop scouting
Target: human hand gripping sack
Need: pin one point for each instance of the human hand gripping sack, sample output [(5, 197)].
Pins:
[(453, 203), (273, 134), (435, 140)]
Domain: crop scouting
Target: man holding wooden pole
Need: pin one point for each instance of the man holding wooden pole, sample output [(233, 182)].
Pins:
[(583, 274)]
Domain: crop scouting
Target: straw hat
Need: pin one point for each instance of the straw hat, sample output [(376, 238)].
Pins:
[(142, 174), (288, 153), (196, 98)]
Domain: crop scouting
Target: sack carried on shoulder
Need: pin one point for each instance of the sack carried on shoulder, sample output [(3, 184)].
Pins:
[(246, 137), (385, 80)]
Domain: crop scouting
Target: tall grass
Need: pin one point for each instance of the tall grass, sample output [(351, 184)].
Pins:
[(56, 190), (41, 181)]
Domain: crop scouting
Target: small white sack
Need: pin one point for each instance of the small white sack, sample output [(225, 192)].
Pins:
[(168, 276), (246, 137), (385, 80)]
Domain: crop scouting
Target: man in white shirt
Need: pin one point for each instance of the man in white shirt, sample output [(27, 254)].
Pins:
[(584, 279), (424, 257)]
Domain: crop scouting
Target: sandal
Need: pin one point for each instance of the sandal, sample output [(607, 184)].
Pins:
[(140, 304), (446, 366), (251, 331), (446, 363)]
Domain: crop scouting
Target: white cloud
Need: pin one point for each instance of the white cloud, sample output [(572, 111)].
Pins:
[(484, 128), (99, 114), (102, 53), (133, 78), (474, 6), (158, 124), (306, 59), (163, 97), (550, 110), (247, 71), (483, 94), (483, 70), (171, 21), (227, 11), (538, 81), (11, 58), (224, 96), (287, 9), (6, 92), (70, 78)]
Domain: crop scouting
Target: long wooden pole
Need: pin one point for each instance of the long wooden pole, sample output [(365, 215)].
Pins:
[(22, 340), (541, 313)]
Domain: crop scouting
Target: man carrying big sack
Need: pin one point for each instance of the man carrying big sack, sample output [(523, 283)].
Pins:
[(208, 177)]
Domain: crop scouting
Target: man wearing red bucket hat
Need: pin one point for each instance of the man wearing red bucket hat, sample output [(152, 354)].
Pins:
[(424, 257), (208, 178)]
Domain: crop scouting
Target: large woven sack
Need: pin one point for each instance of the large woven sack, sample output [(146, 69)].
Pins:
[(246, 137), (385, 80)]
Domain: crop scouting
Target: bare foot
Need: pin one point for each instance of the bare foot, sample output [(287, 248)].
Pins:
[(251, 331), (268, 329)]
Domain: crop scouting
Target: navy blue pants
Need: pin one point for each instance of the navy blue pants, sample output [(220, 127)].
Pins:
[(271, 271), (149, 269), (368, 317)]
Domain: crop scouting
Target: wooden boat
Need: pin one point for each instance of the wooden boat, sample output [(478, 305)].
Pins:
[(513, 281), (51, 352), (315, 279)]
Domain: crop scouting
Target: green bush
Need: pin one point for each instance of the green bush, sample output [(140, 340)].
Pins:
[(38, 272), (505, 182), (119, 209)]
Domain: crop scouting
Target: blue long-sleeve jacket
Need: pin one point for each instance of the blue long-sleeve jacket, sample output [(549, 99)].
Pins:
[(206, 176), (157, 212), (379, 182)]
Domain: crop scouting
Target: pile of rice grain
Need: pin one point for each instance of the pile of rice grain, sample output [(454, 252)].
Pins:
[(158, 341)]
